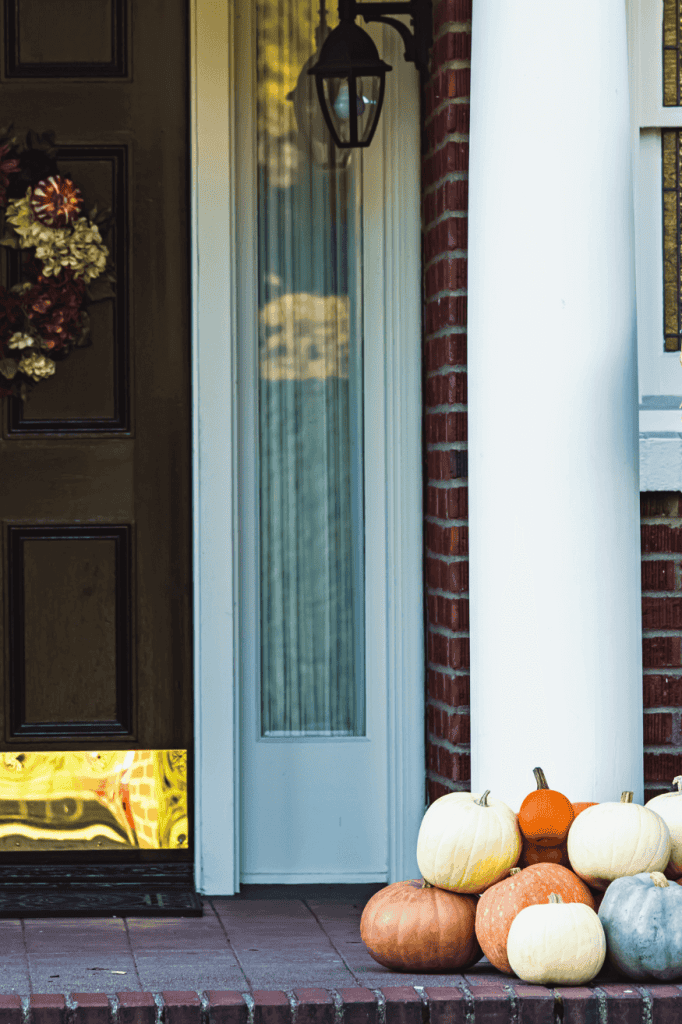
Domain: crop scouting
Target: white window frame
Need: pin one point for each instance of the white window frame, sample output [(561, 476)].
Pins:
[(660, 373), (398, 637)]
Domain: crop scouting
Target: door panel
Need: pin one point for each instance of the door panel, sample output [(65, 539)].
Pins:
[(95, 501)]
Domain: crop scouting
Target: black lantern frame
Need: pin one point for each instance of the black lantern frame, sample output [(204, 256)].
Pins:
[(349, 59)]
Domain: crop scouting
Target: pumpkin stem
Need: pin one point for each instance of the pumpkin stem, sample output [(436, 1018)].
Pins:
[(540, 778), (426, 885), (626, 797), (678, 780), (554, 897), (658, 878), (515, 871), (483, 802)]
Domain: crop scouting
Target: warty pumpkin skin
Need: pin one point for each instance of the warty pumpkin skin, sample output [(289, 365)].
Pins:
[(642, 918), (413, 926), (615, 839), (467, 842), (545, 815), (556, 943), (498, 906), (669, 806)]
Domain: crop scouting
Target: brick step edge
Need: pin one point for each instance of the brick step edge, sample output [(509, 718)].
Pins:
[(461, 1003)]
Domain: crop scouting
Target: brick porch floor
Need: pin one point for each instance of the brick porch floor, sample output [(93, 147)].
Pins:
[(275, 955)]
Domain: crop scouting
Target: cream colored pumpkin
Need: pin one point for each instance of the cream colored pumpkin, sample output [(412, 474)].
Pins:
[(669, 806), (467, 842), (556, 943), (612, 839)]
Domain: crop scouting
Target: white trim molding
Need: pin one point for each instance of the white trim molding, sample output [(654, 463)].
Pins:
[(213, 445)]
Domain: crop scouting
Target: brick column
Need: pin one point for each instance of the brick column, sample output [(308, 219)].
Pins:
[(662, 639), (556, 664), (444, 181)]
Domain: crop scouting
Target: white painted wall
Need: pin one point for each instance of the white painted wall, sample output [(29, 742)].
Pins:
[(556, 670)]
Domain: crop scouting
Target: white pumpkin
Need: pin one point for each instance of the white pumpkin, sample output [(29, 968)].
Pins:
[(556, 943), (467, 842), (669, 806), (612, 839)]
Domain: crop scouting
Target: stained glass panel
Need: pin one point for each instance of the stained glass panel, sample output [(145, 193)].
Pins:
[(90, 800), (671, 141), (672, 67)]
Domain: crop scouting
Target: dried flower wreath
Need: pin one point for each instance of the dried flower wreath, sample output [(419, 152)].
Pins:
[(44, 315)]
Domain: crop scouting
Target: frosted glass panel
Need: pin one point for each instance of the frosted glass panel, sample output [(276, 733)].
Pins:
[(310, 395)]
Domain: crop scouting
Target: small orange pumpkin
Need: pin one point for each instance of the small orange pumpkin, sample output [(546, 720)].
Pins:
[(498, 906), (531, 853), (545, 815), (580, 807), (414, 926)]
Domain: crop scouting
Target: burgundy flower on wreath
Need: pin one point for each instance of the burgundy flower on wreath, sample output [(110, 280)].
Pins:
[(56, 202), (7, 166), (53, 305)]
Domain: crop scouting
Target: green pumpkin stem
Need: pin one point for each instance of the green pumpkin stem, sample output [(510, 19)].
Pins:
[(514, 871), (678, 782), (554, 897), (626, 796), (426, 885), (659, 879), (483, 802), (540, 778)]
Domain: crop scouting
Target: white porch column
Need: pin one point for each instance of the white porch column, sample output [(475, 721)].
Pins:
[(556, 667)]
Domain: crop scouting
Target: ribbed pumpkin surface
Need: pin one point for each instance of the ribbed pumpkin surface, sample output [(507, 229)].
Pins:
[(499, 905), (408, 928)]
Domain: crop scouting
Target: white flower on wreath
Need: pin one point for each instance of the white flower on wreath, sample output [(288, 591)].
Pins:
[(79, 246), (37, 366), (19, 340)]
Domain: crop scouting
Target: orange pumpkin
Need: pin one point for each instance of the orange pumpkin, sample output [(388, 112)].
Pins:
[(531, 853), (545, 815), (580, 807), (498, 906), (414, 926)]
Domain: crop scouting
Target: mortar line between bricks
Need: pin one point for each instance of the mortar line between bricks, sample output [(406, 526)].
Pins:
[(232, 950), (647, 1016), (132, 954), (330, 941), (26, 957)]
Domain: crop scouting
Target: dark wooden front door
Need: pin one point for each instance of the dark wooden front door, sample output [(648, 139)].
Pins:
[(95, 480)]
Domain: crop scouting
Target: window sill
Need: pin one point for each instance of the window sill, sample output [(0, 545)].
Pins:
[(660, 449)]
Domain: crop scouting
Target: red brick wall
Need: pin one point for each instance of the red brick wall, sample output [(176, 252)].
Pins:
[(662, 639), (445, 190)]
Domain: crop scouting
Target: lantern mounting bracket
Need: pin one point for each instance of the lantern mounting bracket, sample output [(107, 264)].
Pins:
[(418, 41)]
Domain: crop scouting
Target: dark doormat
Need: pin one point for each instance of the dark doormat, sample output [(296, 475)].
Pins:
[(100, 901)]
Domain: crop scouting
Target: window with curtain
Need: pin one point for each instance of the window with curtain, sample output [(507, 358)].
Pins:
[(309, 446)]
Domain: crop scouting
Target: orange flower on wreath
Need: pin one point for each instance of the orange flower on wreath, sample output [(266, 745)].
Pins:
[(55, 201)]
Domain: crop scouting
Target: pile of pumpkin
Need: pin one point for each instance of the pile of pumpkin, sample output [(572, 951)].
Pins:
[(547, 894)]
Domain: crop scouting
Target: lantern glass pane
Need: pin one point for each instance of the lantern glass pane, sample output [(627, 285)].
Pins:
[(337, 97), (368, 91)]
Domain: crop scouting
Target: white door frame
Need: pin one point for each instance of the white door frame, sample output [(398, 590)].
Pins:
[(215, 444)]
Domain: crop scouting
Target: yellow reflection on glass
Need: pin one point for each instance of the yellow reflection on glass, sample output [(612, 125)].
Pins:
[(305, 337), (88, 800)]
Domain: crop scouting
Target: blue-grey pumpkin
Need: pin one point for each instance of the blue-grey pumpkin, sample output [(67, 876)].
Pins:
[(642, 920)]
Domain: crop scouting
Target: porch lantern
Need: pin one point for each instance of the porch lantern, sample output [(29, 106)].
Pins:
[(350, 75)]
